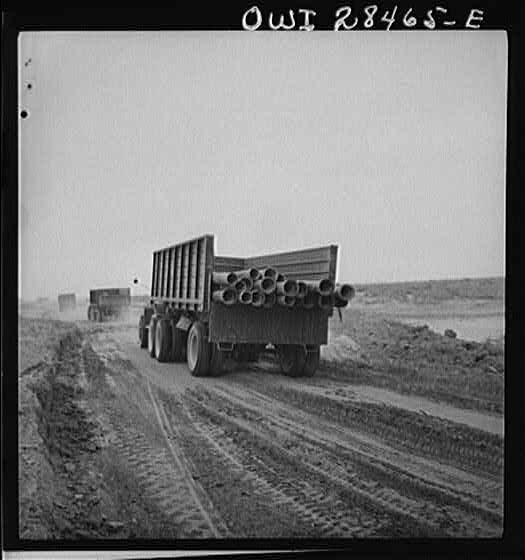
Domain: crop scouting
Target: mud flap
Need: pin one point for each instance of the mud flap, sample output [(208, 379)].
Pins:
[(184, 323)]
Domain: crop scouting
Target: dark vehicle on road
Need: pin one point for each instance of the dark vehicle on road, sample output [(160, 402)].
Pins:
[(108, 303), (66, 302)]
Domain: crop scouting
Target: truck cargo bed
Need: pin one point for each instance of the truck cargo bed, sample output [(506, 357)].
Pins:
[(182, 273)]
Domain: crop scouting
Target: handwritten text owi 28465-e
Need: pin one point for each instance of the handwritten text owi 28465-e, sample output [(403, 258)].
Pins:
[(371, 16)]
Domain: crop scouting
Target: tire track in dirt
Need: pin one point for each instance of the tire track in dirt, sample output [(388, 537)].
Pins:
[(427, 436), (197, 494), (478, 495), (361, 480), (329, 518), (254, 446), (317, 510), (164, 485), (144, 441)]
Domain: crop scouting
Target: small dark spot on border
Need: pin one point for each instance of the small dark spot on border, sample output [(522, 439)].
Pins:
[(29, 86), (24, 114)]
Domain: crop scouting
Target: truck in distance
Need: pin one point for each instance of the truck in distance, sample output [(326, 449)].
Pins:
[(206, 308), (66, 302), (108, 303)]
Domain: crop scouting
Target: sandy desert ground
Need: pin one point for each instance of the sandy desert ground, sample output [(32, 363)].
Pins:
[(399, 433)]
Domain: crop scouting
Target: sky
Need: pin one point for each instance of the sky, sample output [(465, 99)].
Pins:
[(391, 145)]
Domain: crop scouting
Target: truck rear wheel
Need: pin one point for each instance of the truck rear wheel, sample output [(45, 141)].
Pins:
[(292, 358), (144, 341), (178, 343), (163, 340), (143, 332), (217, 360), (198, 350), (151, 335), (312, 361)]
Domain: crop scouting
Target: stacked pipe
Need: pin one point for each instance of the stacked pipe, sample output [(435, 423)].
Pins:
[(266, 287)]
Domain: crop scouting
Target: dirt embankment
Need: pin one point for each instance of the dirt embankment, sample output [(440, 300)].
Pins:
[(366, 348), (61, 494), (39, 340)]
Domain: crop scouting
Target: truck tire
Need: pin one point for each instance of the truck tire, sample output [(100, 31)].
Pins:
[(163, 340), (198, 350), (217, 360), (178, 343), (143, 332), (151, 335), (292, 358), (148, 313), (141, 328), (90, 314), (312, 361)]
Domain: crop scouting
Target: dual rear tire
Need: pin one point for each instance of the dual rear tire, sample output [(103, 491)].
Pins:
[(167, 343), (162, 348), (203, 357), (151, 335), (313, 355), (178, 343), (297, 360), (164, 341), (143, 333), (94, 313), (198, 350)]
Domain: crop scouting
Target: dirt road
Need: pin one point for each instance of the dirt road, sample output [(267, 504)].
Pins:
[(145, 450)]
